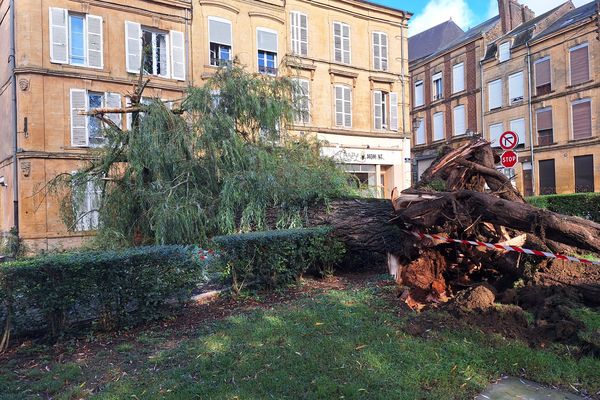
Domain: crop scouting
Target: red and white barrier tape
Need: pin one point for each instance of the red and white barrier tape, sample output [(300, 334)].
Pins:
[(505, 247)]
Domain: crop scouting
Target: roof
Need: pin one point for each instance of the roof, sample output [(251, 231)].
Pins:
[(571, 18), (521, 34), (427, 42), (467, 37)]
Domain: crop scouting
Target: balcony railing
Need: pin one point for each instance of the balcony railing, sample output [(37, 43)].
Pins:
[(267, 70), (220, 62)]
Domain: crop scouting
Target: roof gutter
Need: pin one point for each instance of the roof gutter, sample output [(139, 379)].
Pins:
[(13, 65)]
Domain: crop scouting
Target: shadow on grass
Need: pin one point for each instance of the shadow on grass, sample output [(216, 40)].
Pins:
[(342, 344)]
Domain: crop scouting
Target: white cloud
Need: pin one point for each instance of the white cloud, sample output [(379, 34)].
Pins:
[(541, 6), (438, 11)]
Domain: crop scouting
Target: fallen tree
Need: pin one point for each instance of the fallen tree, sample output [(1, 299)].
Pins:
[(463, 196)]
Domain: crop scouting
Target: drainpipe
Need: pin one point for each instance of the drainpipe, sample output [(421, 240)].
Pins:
[(403, 79), (187, 47), (530, 107), (13, 65), (482, 118)]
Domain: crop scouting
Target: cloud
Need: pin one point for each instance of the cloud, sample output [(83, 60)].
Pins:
[(492, 9), (438, 11), (541, 6)]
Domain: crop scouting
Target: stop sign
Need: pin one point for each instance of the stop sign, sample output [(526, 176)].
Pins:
[(509, 159)]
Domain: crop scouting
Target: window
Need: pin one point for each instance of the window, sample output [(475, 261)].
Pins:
[(458, 78), (89, 131), (380, 105), (496, 130), (584, 174), (219, 33), (459, 120), (547, 177), (420, 134), (341, 42), (385, 110), (86, 203), (437, 87), (544, 127), (299, 28), (155, 52), (438, 126), (543, 78), (343, 106), (164, 52), (302, 101), (518, 126), (266, 40), (582, 119), (380, 51), (75, 39), (515, 88), (495, 94), (419, 94), (504, 52), (579, 63)]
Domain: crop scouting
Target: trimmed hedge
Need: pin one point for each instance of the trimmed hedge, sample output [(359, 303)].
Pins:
[(584, 205), (113, 288), (274, 258)]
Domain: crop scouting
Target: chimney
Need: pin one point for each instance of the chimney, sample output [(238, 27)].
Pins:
[(513, 14)]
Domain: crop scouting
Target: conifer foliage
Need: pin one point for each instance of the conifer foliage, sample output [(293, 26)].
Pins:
[(212, 164)]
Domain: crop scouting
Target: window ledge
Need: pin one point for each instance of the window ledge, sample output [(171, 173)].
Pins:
[(581, 140), (535, 96), (546, 145), (580, 84)]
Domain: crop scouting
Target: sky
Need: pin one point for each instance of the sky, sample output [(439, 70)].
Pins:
[(466, 13)]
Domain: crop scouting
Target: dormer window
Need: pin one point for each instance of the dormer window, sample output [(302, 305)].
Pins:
[(504, 52)]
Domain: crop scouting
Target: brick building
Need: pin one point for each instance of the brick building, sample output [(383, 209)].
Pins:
[(351, 57), (541, 81)]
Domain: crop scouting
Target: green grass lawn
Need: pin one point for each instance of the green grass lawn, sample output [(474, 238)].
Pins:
[(339, 344)]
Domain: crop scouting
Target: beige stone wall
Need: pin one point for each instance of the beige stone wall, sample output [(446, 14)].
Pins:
[(44, 98)]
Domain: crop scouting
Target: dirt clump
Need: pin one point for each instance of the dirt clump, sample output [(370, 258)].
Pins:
[(479, 297)]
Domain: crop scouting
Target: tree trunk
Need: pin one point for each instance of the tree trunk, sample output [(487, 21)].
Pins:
[(364, 227)]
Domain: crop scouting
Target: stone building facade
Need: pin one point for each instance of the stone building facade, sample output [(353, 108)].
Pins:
[(551, 64), (351, 56)]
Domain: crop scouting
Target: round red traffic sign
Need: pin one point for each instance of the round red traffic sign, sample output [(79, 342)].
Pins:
[(509, 140), (509, 159)]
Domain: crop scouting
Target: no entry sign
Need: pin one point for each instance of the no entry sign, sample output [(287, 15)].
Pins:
[(509, 140), (509, 159)]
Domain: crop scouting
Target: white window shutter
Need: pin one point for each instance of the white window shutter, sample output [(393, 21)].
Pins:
[(459, 120), (128, 117), (394, 111), (518, 126), (496, 131), (346, 43), (339, 105), (113, 100), (177, 55), (79, 126), (376, 51), (347, 107), (377, 109), (133, 46), (495, 94), (384, 52), (94, 41), (419, 93), (59, 36), (337, 42), (458, 78), (515, 87), (303, 35)]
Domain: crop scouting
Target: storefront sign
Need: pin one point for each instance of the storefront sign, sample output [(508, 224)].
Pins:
[(363, 156)]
